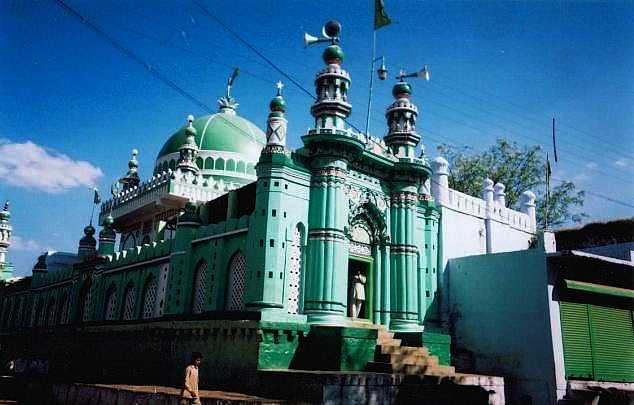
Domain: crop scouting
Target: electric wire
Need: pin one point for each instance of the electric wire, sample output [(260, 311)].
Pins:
[(157, 74)]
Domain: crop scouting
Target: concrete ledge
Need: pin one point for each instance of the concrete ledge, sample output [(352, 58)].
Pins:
[(98, 394)]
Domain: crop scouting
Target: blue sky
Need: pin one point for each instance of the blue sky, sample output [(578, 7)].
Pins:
[(72, 106)]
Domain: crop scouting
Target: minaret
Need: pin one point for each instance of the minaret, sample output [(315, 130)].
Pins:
[(406, 282), (6, 269), (266, 294), (331, 146), (87, 244), (189, 150), (331, 84), (107, 237), (276, 124), (402, 138), (131, 179)]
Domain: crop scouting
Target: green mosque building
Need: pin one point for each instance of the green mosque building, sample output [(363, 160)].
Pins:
[(329, 257)]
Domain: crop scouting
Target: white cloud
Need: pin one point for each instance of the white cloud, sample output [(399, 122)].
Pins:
[(622, 162), (592, 165), (26, 245), (31, 166)]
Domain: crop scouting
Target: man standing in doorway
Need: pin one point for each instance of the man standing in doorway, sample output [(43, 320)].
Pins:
[(189, 393)]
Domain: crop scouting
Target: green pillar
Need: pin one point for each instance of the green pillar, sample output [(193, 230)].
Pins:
[(327, 257), (403, 278)]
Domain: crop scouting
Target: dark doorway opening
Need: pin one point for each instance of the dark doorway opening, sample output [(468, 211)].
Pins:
[(358, 292)]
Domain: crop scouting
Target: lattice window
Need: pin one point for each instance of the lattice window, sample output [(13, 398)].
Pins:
[(111, 305), (128, 307), (64, 310), (34, 313), (200, 282), (50, 317), (149, 299), (41, 314), (294, 272), (86, 310), (237, 281)]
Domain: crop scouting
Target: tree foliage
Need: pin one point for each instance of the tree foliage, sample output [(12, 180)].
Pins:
[(519, 168)]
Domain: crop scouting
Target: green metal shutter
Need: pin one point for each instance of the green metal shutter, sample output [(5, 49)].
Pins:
[(612, 343), (576, 338)]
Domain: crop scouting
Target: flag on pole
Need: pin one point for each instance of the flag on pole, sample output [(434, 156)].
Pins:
[(96, 198), (380, 16), (548, 176), (554, 142)]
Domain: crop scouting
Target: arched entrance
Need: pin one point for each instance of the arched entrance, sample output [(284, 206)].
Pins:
[(367, 235)]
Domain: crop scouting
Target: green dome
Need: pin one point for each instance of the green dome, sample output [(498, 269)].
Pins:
[(401, 88), (220, 132), (333, 52), (278, 104)]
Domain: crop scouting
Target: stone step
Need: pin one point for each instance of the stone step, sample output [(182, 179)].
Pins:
[(389, 342), (441, 371), (385, 334), (414, 359), (402, 350)]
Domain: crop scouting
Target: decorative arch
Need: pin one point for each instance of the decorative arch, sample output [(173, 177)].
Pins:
[(199, 163), (62, 309), (110, 307), (51, 312), (231, 165), (236, 282), (370, 218), (165, 166), (241, 167), (83, 313), (200, 282), (220, 164), (172, 164), (129, 300), (129, 241), (149, 298), (209, 163)]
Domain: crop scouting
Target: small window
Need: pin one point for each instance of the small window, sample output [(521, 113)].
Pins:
[(427, 293), (263, 212), (285, 186), (261, 242), (274, 213), (276, 184), (266, 184), (272, 242), (284, 214)]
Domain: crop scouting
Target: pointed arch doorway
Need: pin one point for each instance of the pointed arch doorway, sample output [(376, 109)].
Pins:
[(367, 236)]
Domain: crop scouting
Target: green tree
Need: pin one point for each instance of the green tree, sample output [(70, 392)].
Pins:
[(519, 168)]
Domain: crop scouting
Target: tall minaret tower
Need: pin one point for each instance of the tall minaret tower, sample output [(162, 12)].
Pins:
[(331, 146), (6, 269)]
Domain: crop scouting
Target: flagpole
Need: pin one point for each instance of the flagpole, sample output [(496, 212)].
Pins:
[(548, 174), (367, 118)]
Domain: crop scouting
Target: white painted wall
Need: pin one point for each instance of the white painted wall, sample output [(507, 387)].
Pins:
[(501, 316)]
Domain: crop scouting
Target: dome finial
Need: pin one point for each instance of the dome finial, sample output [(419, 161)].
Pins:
[(279, 86), (228, 104)]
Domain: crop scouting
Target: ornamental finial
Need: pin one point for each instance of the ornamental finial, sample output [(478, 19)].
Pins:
[(279, 86)]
